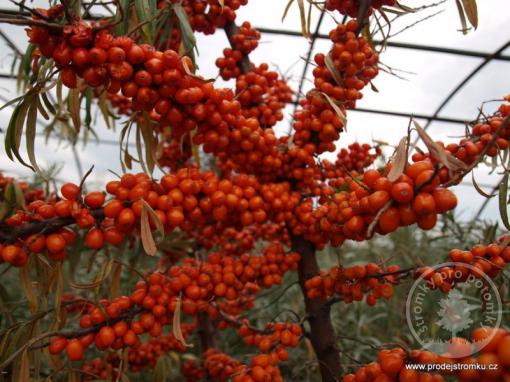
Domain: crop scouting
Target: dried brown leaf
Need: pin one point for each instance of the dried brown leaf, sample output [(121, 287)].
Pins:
[(448, 160), (148, 243), (332, 70), (28, 287), (479, 189), (176, 324), (399, 161), (337, 110), (471, 11)]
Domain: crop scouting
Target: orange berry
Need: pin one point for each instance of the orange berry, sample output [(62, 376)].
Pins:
[(94, 199), (74, 350), (70, 191)]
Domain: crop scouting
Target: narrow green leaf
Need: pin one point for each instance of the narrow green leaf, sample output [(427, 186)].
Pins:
[(139, 149), (503, 201), (88, 107), (41, 108), (150, 143), (19, 197), (15, 130), (103, 107), (30, 135), (188, 37), (12, 101), (20, 121), (195, 148), (142, 11), (479, 189), (125, 23), (74, 108), (9, 134)]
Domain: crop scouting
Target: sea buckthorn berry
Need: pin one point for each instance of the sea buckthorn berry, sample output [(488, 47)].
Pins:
[(57, 345), (70, 191), (74, 350), (94, 199)]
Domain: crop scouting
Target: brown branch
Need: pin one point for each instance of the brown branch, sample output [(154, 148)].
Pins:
[(363, 18), (9, 234), (322, 334), (374, 222), (206, 331), (491, 143), (231, 29), (19, 20)]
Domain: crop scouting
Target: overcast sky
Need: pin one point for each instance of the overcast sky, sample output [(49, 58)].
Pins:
[(431, 77)]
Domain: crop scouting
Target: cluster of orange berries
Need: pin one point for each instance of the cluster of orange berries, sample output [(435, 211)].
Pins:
[(263, 95), (221, 367), (272, 342), (356, 157), (139, 356), (192, 371), (338, 78), (106, 368), (351, 7), (223, 276), (146, 355), (482, 260), (220, 277), (353, 283), (244, 42), (228, 64), (274, 338), (55, 243), (239, 241), (354, 62), (174, 154), (112, 330), (489, 135), (493, 356), (29, 193), (415, 197), (246, 39), (351, 162), (207, 15), (190, 199), (153, 81)]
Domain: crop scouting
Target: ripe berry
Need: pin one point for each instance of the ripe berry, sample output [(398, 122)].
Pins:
[(74, 350)]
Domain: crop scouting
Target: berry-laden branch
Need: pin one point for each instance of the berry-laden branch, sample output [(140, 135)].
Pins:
[(10, 234), (66, 334)]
